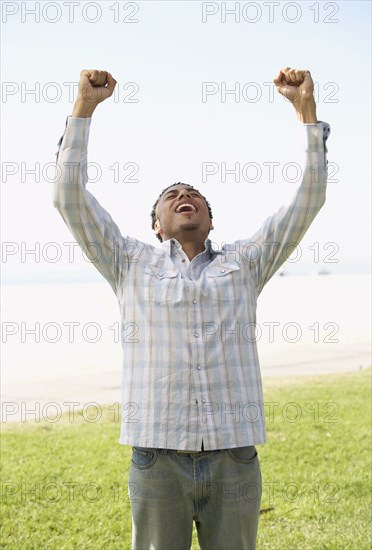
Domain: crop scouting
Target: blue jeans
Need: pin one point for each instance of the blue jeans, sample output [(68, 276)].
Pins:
[(219, 490)]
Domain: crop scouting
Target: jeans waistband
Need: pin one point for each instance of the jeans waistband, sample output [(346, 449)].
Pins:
[(199, 452), (179, 452)]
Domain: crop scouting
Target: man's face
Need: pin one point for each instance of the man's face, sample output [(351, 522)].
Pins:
[(182, 213)]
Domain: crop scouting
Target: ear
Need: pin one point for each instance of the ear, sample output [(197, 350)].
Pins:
[(157, 227), (211, 226)]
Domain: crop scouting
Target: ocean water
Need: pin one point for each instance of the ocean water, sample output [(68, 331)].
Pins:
[(61, 341)]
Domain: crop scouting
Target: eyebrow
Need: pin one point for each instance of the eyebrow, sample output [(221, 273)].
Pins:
[(176, 191)]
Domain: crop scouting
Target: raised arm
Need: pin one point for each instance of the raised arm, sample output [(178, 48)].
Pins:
[(90, 224), (279, 235)]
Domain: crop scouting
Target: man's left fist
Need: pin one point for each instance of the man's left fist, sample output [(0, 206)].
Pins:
[(294, 84), (298, 87)]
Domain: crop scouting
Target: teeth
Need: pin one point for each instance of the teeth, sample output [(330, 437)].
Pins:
[(186, 204)]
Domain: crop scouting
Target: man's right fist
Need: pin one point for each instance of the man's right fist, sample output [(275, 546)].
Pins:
[(94, 87)]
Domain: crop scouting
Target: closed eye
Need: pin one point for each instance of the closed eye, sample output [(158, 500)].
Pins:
[(173, 195)]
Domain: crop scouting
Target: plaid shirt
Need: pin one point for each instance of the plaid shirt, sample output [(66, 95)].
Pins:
[(190, 371)]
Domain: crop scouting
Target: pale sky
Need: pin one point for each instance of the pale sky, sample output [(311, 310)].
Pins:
[(161, 128)]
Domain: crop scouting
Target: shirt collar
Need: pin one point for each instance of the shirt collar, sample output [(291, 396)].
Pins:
[(173, 244)]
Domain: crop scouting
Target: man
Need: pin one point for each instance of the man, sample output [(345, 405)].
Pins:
[(191, 383)]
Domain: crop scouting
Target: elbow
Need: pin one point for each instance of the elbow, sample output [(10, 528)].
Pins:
[(322, 197), (56, 200), (59, 199), (318, 205)]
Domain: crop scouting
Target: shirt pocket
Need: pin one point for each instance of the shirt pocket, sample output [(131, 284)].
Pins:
[(159, 284), (224, 282)]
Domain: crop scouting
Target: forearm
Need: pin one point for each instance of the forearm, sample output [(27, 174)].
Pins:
[(283, 231), (83, 109), (71, 159), (306, 112), (311, 193), (90, 224)]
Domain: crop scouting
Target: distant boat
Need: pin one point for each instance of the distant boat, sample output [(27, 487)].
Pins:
[(320, 272)]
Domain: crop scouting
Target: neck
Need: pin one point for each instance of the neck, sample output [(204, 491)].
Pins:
[(192, 248)]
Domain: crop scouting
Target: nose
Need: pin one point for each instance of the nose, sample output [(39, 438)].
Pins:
[(185, 192)]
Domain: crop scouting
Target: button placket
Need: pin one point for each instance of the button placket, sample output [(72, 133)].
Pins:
[(200, 382)]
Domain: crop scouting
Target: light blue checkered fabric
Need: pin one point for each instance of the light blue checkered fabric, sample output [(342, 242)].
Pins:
[(190, 369)]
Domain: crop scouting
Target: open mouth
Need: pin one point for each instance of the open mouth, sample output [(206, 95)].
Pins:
[(185, 208)]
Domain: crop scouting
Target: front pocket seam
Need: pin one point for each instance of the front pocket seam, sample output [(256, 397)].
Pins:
[(146, 466), (241, 460)]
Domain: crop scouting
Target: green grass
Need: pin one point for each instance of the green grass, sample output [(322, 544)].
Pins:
[(317, 460)]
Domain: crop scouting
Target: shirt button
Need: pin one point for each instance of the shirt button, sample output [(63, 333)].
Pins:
[(198, 367), (194, 301), (222, 271), (196, 335), (183, 259), (204, 400)]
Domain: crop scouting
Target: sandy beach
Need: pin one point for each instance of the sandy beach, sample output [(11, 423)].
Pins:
[(60, 343)]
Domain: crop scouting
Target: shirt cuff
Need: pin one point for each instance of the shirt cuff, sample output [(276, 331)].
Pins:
[(316, 135), (76, 132)]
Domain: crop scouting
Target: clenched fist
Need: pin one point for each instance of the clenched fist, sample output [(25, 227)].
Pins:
[(94, 87), (297, 86)]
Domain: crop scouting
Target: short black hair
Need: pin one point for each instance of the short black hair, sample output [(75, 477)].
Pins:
[(153, 211)]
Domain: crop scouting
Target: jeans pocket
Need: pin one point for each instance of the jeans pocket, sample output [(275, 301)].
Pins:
[(143, 457), (244, 455)]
